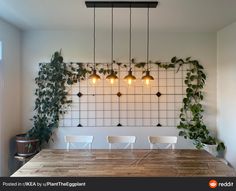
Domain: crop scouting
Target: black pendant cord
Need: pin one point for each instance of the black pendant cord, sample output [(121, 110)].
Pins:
[(94, 37), (147, 37), (112, 38), (130, 40)]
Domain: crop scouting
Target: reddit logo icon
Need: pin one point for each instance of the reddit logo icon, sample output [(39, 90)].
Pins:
[(213, 183)]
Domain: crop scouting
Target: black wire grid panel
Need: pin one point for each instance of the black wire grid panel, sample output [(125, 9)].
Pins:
[(120, 104)]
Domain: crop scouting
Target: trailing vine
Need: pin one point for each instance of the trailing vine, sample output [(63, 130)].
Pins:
[(54, 79), (191, 123), (51, 97)]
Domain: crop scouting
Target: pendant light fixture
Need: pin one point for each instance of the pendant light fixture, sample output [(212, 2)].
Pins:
[(147, 78), (123, 4), (94, 77), (130, 77), (112, 76)]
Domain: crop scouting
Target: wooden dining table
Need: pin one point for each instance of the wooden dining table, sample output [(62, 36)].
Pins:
[(124, 163)]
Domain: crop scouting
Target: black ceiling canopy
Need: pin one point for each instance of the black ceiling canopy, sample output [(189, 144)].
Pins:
[(121, 4)]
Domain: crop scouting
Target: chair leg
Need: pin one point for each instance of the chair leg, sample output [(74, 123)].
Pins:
[(132, 146), (68, 146), (151, 146), (173, 146)]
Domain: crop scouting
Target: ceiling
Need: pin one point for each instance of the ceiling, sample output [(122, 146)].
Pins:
[(169, 16)]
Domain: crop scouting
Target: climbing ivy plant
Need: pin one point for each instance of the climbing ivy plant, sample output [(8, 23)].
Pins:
[(54, 79), (191, 124), (51, 97)]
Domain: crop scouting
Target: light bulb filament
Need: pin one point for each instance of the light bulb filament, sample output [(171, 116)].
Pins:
[(112, 80), (129, 81), (94, 80)]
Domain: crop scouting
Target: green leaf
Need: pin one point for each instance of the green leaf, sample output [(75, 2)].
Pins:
[(200, 67), (187, 59), (179, 61), (221, 146), (171, 66), (182, 133), (140, 65), (173, 60), (185, 100), (192, 78), (157, 63), (203, 76)]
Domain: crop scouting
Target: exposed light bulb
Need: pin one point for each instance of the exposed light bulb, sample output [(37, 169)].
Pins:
[(94, 80), (147, 81), (112, 80), (129, 81)]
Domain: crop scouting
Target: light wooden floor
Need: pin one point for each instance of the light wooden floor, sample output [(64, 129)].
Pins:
[(122, 163)]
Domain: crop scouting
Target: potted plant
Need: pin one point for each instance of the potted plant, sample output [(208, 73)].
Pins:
[(26, 146), (212, 145), (50, 102), (191, 114)]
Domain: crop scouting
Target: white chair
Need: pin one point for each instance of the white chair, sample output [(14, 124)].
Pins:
[(87, 140), (129, 140), (169, 140)]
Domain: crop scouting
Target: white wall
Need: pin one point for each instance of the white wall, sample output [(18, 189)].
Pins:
[(226, 89), (77, 46), (1, 109), (11, 92)]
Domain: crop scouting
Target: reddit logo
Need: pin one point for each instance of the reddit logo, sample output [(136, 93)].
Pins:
[(213, 183)]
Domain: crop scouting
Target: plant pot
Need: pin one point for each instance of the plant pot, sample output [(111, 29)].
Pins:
[(26, 146), (212, 149)]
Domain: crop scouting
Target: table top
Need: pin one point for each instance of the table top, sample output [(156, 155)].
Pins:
[(124, 163)]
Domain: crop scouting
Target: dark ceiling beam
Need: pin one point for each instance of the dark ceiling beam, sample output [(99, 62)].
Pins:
[(121, 4)]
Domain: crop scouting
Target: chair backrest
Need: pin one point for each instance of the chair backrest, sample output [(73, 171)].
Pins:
[(169, 140), (87, 140), (129, 140)]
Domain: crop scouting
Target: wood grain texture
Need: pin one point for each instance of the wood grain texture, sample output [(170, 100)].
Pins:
[(123, 163)]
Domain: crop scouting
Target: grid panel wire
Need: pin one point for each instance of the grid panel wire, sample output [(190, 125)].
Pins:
[(106, 105)]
